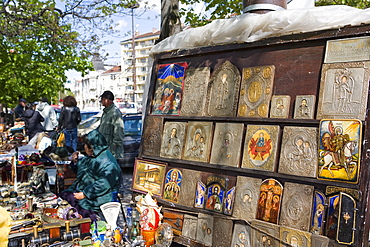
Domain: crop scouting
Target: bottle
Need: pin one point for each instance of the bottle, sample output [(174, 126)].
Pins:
[(135, 231)]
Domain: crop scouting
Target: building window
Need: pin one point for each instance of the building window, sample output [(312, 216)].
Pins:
[(127, 78), (129, 87), (112, 77), (143, 69), (143, 78), (143, 52), (142, 60)]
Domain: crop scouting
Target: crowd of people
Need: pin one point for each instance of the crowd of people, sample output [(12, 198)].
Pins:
[(98, 173)]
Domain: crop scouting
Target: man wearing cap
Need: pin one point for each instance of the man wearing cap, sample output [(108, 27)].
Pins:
[(48, 113), (111, 125), (19, 109)]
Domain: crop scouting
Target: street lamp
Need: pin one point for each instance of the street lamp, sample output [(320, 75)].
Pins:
[(132, 7)]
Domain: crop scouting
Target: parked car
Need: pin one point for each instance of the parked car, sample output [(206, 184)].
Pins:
[(131, 140)]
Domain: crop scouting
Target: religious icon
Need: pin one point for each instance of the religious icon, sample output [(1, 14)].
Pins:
[(347, 222), (332, 216), (223, 91), (152, 135), (200, 195), (241, 235), (256, 91), (172, 186), (269, 201), (296, 238), (215, 196), (318, 213), (260, 147), (344, 90), (265, 234), (280, 105), (198, 141), (304, 106), (229, 201), (173, 139), (168, 92), (298, 154), (339, 150)]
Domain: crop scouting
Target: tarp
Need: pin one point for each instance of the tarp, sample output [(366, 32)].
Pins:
[(251, 27)]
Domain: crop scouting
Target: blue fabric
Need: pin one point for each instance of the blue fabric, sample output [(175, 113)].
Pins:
[(70, 136)]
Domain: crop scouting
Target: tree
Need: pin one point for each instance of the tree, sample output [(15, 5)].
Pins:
[(39, 42)]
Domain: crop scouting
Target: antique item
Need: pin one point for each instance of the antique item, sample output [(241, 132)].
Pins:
[(260, 147), (331, 225), (205, 229), (189, 228), (344, 90), (269, 201), (298, 155), (215, 197), (295, 237), (168, 91), (222, 232), (172, 186), (229, 201), (296, 206), (152, 135), (198, 141), (200, 195), (188, 187), (319, 241), (173, 139), (175, 220), (246, 197), (347, 50), (195, 88), (256, 91), (223, 91), (304, 107), (242, 235), (280, 105), (347, 219), (339, 150), (148, 176), (227, 144), (264, 233), (335, 190), (318, 213)]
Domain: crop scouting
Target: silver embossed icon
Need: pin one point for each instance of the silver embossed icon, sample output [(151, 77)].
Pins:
[(304, 107), (173, 139), (280, 105)]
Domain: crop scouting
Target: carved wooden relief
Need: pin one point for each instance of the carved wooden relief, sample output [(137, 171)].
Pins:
[(256, 91), (242, 235), (173, 140), (260, 147), (344, 90), (295, 237), (298, 155), (269, 201), (172, 187), (222, 232), (304, 107), (152, 135), (296, 206), (280, 105), (246, 197), (318, 213), (339, 150), (265, 234), (223, 91), (227, 144), (198, 141), (188, 187), (205, 229), (189, 228), (195, 89)]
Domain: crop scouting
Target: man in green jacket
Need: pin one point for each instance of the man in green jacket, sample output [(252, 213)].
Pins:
[(98, 177), (111, 125)]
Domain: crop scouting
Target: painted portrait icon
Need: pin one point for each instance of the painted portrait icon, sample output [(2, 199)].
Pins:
[(169, 86), (215, 196), (172, 186)]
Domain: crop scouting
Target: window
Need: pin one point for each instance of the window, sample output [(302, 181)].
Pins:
[(129, 87), (112, 77), (143, 52), (127, 78), (142, 60), (143, 78), (143, 69)]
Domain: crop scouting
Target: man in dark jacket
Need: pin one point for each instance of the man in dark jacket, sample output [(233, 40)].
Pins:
[(32, 121), (98, 177), (20, 108)]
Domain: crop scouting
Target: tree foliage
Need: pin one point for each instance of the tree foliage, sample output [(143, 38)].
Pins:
[(39, 42), (217, 9)]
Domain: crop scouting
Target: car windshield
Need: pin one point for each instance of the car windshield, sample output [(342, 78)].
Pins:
[(132, 126), (88, 122)]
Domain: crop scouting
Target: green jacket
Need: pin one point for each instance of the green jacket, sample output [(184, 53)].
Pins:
[(111, 126), (97, 176)]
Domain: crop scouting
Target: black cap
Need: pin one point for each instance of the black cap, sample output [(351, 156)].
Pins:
[(107, 95), (23, 100), (44, 100)]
